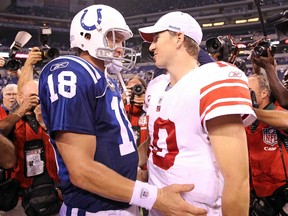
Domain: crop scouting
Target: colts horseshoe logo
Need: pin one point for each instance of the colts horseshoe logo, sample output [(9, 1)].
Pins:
[(92, 27)]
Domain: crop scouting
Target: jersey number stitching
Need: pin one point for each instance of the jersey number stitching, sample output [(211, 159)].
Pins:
[(126, 147), (66, 85), (160, 158)]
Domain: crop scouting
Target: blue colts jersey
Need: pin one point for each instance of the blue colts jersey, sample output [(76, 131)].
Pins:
[(75, 96)]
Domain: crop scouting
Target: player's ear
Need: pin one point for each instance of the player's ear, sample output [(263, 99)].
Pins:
[(179, 38)]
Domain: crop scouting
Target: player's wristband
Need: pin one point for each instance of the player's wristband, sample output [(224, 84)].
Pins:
[(144, 195)]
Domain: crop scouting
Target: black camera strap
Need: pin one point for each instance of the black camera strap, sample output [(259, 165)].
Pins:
[(281, 140)]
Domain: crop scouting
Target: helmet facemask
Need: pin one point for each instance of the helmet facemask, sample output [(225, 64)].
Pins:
[(110, 54)]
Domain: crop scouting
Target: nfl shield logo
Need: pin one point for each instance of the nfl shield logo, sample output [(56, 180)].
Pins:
[(270, 136)]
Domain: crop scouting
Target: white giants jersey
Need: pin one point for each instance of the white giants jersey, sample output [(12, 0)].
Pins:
[(180, 150)]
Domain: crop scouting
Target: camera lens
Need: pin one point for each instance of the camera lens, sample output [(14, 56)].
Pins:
[(12, 64), (138, 89), (213, 45), (52, 53), (259, 50)]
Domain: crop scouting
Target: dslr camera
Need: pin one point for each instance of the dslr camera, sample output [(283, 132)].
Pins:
[(21, 39), (137, 89), (240, 63), (220, 44), (48, 53), (12, 64), (261, 47)]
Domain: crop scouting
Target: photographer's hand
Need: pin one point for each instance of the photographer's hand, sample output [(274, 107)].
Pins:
[(267, 63), (2, 61), (139, 99), (28, 104), (27, 70), (34, 56)]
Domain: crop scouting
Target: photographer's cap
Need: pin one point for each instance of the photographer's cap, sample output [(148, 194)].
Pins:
[(177, 22)]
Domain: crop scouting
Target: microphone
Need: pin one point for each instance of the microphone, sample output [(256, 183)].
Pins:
[(276, 17)]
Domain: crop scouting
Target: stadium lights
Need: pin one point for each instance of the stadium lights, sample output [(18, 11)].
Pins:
[(275, 42), (240, 21), (253, 19), (207, 25), (218, 23)]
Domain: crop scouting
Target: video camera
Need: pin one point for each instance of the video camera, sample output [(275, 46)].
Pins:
[(220, 43), (224, 45), (21, 39), (240, 63), (48, 53)]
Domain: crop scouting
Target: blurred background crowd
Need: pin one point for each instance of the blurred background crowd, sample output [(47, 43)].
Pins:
[(239, 19)]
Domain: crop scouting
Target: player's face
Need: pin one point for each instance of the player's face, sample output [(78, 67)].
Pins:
[(117, 42), (162, 48)]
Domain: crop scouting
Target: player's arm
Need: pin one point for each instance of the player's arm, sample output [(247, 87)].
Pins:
[(275, 118), (77, 151), (142, 152), (229, 144)]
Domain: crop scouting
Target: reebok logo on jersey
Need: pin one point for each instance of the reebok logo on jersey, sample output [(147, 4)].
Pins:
[(235, 74), (59, 65)]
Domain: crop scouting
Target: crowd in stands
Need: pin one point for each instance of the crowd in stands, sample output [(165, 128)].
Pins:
[(136, 7)]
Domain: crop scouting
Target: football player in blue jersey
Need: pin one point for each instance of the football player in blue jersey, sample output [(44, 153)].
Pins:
[(93, 140)]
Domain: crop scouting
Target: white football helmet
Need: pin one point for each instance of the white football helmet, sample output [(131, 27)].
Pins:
[(89, 30)]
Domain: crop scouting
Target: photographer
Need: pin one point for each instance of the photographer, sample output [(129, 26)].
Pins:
[(133, 101), (267, 155), (9, 93), (268, 63)]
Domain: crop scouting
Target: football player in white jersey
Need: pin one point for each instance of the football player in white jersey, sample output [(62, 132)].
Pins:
[(196, 120), (93, 139)]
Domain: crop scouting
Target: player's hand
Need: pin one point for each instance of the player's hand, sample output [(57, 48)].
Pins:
[(142, 175), (170, 202)]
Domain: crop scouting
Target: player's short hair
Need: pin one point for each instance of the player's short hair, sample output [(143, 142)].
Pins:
[(191, 46)]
